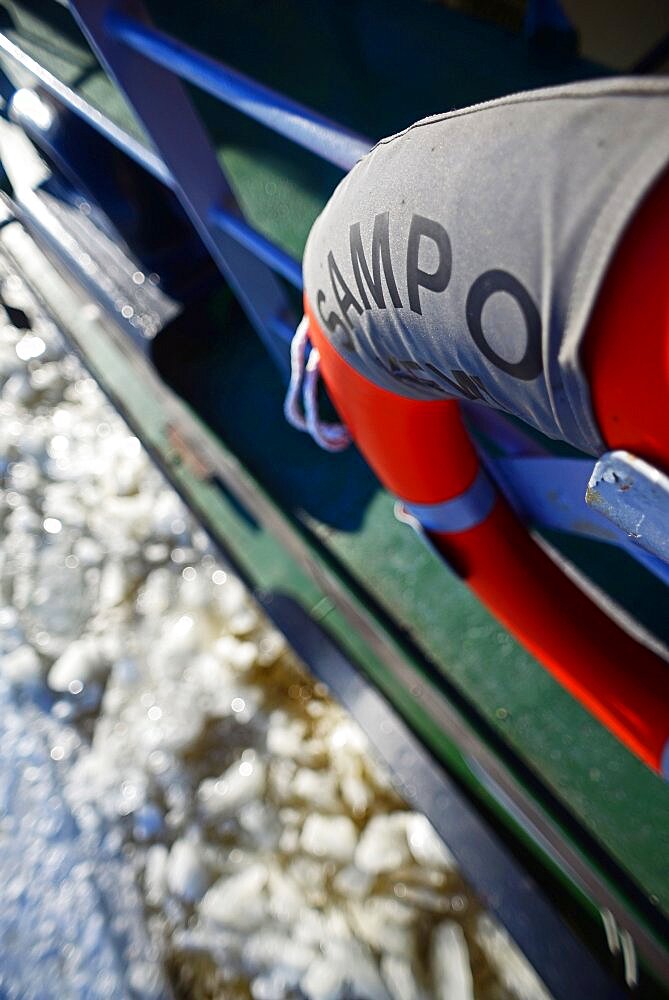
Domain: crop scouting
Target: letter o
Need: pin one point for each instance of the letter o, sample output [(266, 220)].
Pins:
[(531, 364)]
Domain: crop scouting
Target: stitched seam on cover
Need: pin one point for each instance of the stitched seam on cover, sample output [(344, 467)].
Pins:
[(532, 97)]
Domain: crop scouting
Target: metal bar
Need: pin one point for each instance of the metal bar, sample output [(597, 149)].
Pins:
[(268, 252), (128, 144), (296, 122), (166, 112)]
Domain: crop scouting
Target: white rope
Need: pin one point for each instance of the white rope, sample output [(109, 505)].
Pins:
[(330, 437), (298, 351)]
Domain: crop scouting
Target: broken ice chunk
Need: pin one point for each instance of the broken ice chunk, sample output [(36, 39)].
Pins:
[(400, 980), (383, 846), (426, 846), (324, 981), (352, 883), (449, 958), (319, 788), (332, 837), (155, 874), (22, 665), (224, 796), (82, 661), (238, 901), (187, 875)]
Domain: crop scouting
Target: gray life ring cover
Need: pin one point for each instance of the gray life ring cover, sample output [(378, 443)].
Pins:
[(462, 256)]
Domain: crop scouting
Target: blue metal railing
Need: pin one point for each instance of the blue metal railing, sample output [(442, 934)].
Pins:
[(296, 122), (135, 149)]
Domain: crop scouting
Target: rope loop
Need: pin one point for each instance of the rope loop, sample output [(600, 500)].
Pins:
[(305, 376)]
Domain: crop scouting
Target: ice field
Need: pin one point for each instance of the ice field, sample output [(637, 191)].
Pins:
[(184, 812)]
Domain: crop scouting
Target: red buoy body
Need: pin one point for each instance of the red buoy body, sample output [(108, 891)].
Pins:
[(421, 452), (513, 254)]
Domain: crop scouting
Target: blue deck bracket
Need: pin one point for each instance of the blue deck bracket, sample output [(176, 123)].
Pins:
[(171, 123), (634, 495)]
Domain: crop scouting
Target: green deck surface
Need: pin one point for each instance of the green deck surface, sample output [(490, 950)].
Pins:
[(333, 501)]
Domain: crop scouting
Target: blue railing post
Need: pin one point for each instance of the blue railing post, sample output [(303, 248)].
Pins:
[(166, 112)]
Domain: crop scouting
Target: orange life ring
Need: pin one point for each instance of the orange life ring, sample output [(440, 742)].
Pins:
[(419, 447)]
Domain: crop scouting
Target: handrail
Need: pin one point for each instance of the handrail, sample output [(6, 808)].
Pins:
[(135, 149), (296, 122), (246, 235)]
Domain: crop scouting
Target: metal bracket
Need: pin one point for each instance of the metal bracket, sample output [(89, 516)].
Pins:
[(634, 495)]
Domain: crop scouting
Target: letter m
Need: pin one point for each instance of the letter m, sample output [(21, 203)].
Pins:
[(380, 256)]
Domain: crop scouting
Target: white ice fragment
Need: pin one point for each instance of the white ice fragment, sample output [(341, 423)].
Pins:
[(281, 773), (285, 737), (426, 846), (259, 820), (352, 883), (289, 840), (383, 845), (242, 782), (125, 671), (187, 875), (22, 665), (308, 873), (324, 980), (272, 985), (357, 966), (82, 661), (348, 735), (400, 980), (267, 949), (238, 901), (449, 960), (156, 552), (424, 898), (332, 837), (88, 551), (230, 598), (157, 594), (287, 903), (18, 390), (113, 584), (319, 788), (384, 924), (195, 591), (127, 474), (168, 513), (356, 793), (243, 621), (270, 647), (155, 874), (240, 655)]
